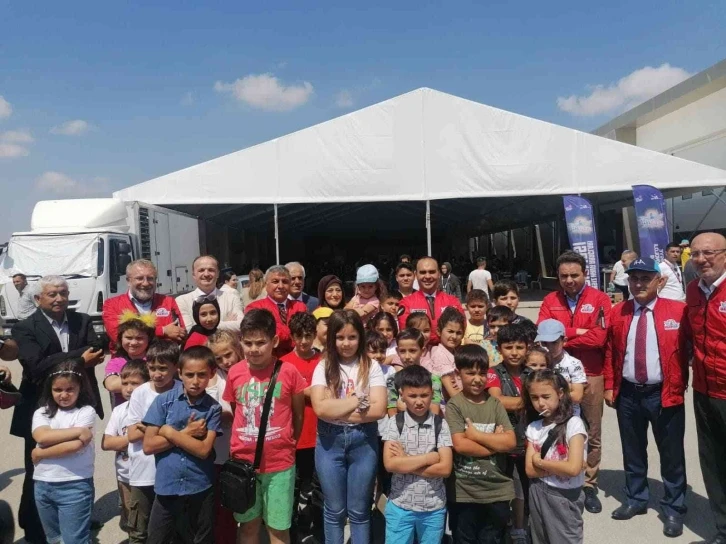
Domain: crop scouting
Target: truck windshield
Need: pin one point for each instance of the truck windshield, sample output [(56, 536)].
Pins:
[(68, 255)]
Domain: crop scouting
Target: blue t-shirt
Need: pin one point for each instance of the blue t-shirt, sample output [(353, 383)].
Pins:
[(180, 473)]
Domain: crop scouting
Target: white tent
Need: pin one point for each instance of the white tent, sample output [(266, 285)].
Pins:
[(423, 145)]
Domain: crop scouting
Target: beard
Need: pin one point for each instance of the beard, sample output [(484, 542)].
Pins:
[(142, 296)]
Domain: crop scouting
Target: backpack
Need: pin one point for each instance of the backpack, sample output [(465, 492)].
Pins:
[(510, 390), (400, 419)]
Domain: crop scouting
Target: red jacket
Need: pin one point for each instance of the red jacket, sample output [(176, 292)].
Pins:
[(283, 331), (588, 347), (705, 325), (667, 317), (163, 308), (416, 302)]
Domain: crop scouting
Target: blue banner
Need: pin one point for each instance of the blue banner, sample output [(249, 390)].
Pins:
[(650, 210), (583, 238)]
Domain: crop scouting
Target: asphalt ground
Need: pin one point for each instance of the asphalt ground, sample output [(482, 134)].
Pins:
[(599, 528)]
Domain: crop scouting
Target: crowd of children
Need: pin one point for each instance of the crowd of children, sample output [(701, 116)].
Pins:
[(479, 433)]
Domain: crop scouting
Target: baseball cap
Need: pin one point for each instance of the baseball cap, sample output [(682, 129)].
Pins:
[(366, 274), (322, 312), (645, 264), (684, 242), (550, 330)]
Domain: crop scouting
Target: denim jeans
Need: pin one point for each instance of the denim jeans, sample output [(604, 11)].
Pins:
[(403, 525), (346, 458), (65, 510)]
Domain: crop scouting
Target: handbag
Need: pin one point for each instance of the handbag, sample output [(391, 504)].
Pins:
[(238, 478)]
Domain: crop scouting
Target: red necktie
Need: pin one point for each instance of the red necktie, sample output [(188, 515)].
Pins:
[(641, 335)]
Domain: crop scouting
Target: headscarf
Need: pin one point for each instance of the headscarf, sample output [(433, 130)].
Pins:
[(323, 284), (195, 313)]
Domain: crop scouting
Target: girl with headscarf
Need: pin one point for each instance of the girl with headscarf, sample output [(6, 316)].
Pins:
[(448, 282), (207, 316)]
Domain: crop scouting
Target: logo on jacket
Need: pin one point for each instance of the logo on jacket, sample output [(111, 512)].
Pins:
[(722, 308), (419, 310), (162, 312), (587, 309), (671, 325)]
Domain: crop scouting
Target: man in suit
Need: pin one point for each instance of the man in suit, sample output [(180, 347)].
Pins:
[(51, 335), (646, 374), (277, 302), (297, 284)]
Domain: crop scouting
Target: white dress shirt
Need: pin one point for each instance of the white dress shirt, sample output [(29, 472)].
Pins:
[(673, 288), (142, 307), (652, 354), (709, 289), (229, 303), (61, 330)]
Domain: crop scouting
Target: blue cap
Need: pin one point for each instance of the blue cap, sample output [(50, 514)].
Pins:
[(684, 242), (550, 330), (366, 274), (644, 264)]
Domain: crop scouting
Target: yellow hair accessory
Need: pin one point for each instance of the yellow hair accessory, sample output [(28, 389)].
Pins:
[(147, 320)]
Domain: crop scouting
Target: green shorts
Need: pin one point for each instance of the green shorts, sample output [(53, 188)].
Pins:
[(275, 496)]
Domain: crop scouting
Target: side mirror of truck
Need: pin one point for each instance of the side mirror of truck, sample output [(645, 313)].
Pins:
[(122, 261), (124, 249)]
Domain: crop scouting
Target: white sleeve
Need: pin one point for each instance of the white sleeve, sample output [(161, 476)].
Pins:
[(574, 427), (184, 302), (531, 433), (229, 303), (86, 417), (136, 408), (40, 419), (375, 376), (319, 375), (470, 273), (577, 371), (113, 428)]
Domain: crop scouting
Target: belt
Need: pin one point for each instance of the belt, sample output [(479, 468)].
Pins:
[(642, 387)]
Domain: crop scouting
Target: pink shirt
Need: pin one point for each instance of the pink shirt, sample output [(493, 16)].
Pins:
[(113, 368), (359, 303)]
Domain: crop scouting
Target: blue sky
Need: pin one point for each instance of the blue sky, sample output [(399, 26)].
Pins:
[(98, 96)]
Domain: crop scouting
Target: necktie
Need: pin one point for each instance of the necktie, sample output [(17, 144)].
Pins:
[(431, 299), (641, 334), (283, 313)]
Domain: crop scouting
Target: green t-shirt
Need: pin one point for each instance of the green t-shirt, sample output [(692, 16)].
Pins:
[(393, 391), (478, 479)]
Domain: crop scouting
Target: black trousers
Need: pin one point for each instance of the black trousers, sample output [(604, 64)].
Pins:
[(638, 407), (711, 428), (477, 523), (28, 518), (188, 519)]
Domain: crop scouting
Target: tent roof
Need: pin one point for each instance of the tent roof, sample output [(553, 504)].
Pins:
[(422, 145)]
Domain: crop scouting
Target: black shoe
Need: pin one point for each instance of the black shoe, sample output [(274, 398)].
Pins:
[(715, 540), (96, 525), (672, 526), (592, 503), (627, 512)]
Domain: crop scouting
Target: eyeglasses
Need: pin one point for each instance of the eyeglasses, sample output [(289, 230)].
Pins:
[(706, 253)]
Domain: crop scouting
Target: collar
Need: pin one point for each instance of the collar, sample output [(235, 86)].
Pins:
[(290, 297), (710, 289), (278, 303), (430, 295), (650, 305), (51, 320), (180, 394), (134, 300), (199, 293), (577, 296), (410, 422)]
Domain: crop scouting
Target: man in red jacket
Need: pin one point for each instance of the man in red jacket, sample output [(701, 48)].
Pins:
[(585, 313), (277, 302), (141, 298), (646, 374), (705, 324), (428, 299)]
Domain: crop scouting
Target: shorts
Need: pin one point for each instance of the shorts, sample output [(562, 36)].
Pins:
[(275, 497)]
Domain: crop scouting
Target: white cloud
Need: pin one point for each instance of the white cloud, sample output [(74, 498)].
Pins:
[(14, 143), (62, 184), (6, 110), (344, 99), (187, 99), (266, 92), (75, 127), (628, 92)]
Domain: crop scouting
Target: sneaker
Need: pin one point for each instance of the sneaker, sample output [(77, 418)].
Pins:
[(518, 536)]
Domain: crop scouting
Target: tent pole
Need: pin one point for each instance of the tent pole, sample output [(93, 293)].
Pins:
[(626, 228), (277, 238), (542, 266), (428, 227)]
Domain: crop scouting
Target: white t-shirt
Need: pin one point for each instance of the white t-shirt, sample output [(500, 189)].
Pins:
[(673, 288), (78, 466), (143, 467), (537, 434), (480, 279), (221, 443), (386, 370), (572, 370), (117, 427), (349, 381), (621, 278)]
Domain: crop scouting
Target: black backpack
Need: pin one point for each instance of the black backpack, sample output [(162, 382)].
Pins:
[(517, 421), (400, 419)]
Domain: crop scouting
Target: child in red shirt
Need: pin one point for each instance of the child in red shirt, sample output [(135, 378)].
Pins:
[(207, 316), (304, 521), (247, 384)]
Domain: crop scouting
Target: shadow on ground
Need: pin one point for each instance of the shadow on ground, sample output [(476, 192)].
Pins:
[(7, 476), (698, 519)]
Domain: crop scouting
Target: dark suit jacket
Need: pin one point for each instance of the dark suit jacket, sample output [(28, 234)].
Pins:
[(39, 351), (310, 301)]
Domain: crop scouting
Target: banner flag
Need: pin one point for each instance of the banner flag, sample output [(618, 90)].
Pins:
[(583, 238), (650, 210)]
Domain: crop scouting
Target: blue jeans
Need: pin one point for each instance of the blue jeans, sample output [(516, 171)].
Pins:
[(346, 458), (402, 525), (65, 510)]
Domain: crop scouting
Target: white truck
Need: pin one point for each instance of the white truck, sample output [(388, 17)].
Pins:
[(89, 242)]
